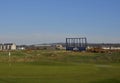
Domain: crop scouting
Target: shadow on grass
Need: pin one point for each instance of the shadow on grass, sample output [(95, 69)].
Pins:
[(4, 81), (107, 81)]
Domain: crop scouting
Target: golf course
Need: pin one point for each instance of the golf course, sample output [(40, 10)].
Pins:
[(59, 66)]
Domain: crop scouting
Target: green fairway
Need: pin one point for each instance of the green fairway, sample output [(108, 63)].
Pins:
[(59, 67), (82, 73)]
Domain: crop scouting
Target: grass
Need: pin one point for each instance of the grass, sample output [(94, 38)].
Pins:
[(59, 67)]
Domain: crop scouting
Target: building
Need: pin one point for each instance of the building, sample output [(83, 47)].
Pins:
[(59, 47), (103, 47), (40, 47), (1, 46), (8, 46)]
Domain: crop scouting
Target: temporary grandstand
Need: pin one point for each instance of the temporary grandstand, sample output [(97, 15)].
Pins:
[(76, 44)]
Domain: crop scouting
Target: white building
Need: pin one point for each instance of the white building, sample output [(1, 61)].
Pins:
[(111, 47), (8, 46), (60, 47), (1, 46)]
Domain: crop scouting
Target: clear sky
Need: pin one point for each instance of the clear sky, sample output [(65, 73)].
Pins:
[(46, 21)]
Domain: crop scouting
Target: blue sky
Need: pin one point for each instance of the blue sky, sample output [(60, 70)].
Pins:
[(46, 21)]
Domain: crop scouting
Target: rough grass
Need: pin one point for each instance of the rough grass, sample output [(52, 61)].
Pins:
[(59, 67), (59, 56)]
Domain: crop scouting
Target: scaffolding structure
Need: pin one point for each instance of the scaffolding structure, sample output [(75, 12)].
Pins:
[(77, 44)]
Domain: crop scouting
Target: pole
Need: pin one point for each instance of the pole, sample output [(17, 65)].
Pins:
[(9, 54)]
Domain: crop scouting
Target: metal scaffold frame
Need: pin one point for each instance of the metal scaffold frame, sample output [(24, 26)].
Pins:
[(78, 44)]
